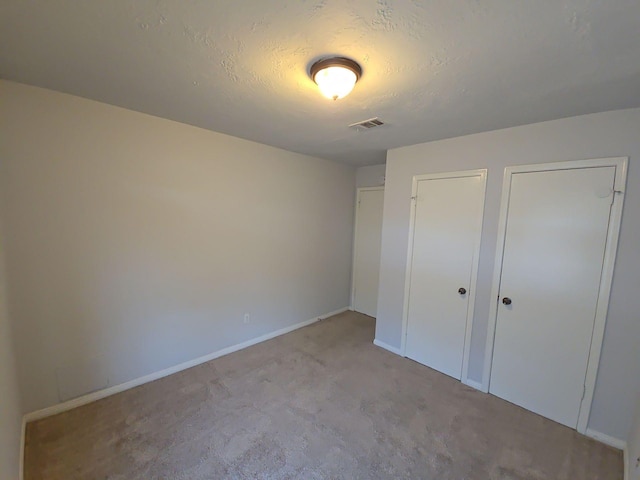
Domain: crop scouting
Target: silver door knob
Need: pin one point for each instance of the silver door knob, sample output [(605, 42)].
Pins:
[(462, 290), (506, 301)]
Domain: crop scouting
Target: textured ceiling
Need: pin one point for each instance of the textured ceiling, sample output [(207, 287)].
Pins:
[(432, 69)]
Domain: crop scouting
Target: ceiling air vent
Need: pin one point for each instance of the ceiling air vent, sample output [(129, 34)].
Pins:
[(367, 124)]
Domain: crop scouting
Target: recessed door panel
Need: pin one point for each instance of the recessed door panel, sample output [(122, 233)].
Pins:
[(555, 239), (368, 237), (446, 232)]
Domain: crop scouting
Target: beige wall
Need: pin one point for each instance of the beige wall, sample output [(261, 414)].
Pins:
[(370, 176), (136, 243), (10, 410), (609, 134)]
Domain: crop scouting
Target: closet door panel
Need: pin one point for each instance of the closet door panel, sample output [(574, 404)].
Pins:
[(446, 230)]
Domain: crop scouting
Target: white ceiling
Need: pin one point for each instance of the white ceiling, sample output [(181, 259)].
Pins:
[(432, 69)]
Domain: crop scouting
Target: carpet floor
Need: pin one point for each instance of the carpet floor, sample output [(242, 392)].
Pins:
[(319, 403)]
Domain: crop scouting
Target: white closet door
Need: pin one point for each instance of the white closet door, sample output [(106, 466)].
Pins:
[(556, 234), (446, 231), (368, 235)]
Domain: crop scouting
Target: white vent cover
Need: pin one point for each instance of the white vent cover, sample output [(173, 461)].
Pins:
[(367, 124)]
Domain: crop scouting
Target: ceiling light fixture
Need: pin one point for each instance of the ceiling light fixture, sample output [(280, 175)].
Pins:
[(336, 76)]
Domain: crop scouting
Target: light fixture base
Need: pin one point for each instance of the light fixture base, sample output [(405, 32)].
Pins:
[(336, 62)]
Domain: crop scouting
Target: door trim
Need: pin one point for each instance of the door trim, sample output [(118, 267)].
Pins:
[(482, 173), (354, 247), (611, 247)]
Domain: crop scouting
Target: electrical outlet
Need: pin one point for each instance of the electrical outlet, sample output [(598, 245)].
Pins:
[(247, 318)]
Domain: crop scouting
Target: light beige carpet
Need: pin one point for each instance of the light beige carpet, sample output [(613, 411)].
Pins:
[(319, 403)]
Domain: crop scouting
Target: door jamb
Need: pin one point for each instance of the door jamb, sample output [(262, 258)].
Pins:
[(620, 164), (482, 173), (354, 247)]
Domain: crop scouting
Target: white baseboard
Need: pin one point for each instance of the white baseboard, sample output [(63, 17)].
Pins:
[(607, 439), (473, 384), (322, 317), (100, 394), (386, 346)]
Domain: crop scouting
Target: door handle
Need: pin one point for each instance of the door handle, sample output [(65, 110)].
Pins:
[(506, 301), (462, 290)]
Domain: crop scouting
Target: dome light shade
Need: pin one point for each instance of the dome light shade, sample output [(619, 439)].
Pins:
[(336, 77)]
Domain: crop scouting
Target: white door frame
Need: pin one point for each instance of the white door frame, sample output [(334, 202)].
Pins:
[(354, 248), (482, 173), (620, 163)]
